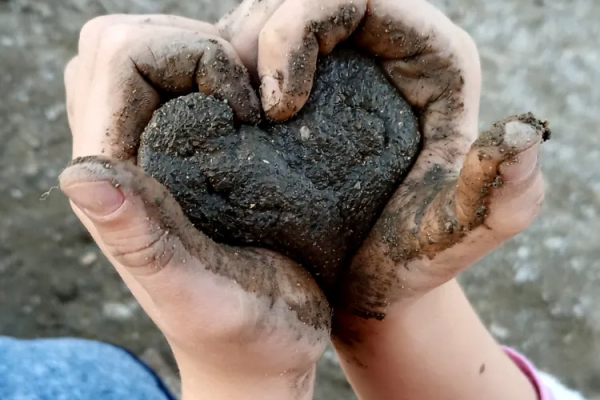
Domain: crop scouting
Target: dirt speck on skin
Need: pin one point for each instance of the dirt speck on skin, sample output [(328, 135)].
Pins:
[(346, 19), (311, 187)]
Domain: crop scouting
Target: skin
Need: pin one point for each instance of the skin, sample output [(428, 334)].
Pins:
[(242, 323), (462, 199), (399, 307)]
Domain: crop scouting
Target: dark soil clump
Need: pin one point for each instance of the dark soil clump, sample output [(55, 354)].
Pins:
[(311, 187)]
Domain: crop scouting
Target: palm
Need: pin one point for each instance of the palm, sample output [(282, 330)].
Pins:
[(262, 306)]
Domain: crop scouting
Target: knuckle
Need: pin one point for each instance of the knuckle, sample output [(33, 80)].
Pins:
[(71, 70), (447, 153), (151, 252), (466, 41), (93, 29), (272, 37), (520, 221), (219, 46), (117, 39), (466, 48)]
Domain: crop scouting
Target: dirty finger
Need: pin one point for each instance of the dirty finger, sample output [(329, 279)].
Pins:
[(138, 66), (242, 26), (290, 43), (436, 66), (501, 170), (93, 32)]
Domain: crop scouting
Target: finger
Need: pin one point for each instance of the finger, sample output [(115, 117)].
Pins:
[(99, 190), (175, 21), (242, 26), (93, 32), (135, 65), (436, 67), (70, 76), (511, 207), (516, 203), (501, 175), (140, 226), (290, 43), (436, 228)]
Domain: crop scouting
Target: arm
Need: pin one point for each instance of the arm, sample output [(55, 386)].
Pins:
[(234, 333), (435, 348)]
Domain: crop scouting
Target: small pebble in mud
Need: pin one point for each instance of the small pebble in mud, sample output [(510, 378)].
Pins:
[(311, 187), (88, 258), (304, 133)]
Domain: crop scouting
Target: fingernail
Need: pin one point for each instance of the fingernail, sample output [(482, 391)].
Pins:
[(270, 92), (98, 199), (520, 166)]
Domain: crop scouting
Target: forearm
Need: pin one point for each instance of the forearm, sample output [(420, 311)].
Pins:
[(437, 348)]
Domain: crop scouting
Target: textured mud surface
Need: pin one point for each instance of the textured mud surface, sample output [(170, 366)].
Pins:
[(311, 187), (539, 293)]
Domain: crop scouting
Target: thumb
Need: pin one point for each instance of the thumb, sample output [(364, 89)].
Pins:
[(501, 184), (499, 191), (134, 219)]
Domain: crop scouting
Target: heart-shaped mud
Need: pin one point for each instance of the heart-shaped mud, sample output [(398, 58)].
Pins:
[(311, 187)]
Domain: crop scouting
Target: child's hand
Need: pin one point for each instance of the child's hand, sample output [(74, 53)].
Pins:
[(461, 200), (243, 323)]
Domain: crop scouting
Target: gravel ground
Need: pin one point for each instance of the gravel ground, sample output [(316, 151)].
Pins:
[(536, 294)]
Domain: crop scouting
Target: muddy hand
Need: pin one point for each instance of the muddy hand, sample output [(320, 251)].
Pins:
[(280, 40), (253, 316), (460, 200), (438, 225)]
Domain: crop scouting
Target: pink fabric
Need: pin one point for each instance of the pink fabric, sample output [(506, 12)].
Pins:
[(531, 372)]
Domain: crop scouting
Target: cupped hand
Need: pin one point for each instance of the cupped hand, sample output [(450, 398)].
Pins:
[(464, 196), (247, 323)]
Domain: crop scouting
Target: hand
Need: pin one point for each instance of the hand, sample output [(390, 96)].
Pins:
[(243, 323), (400, 331), (462, 199)]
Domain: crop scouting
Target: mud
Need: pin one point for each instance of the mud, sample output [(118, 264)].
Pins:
[(495, 135), (322, 177)]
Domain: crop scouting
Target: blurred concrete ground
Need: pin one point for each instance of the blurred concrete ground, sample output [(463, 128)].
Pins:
[(539, 293)]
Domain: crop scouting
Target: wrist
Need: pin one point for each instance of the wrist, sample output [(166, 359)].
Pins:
[(283, 387), (434, 347), (356, 331), (203, 381)]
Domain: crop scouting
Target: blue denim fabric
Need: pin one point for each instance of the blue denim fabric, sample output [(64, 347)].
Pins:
[(73, 369)]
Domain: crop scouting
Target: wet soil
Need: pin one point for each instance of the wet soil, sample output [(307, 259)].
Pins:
[(322, 177)]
